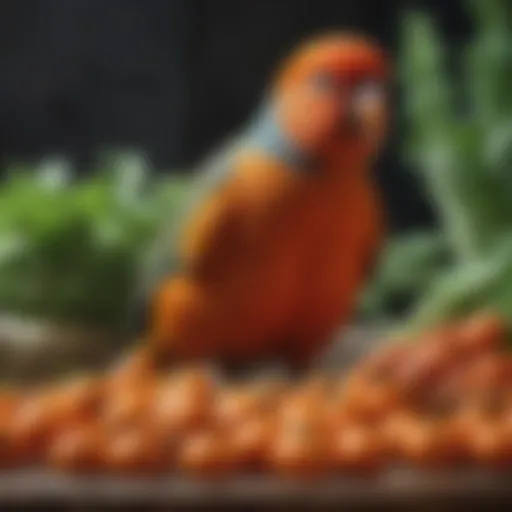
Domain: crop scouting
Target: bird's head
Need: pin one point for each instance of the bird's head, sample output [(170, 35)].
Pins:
[(331, 93)]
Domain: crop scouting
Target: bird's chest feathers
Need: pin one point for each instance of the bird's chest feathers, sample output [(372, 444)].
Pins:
[(335, 242), (339, 210), (309, 248), (323, 223)]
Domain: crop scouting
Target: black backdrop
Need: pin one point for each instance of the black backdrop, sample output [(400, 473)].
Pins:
[(170, 76)]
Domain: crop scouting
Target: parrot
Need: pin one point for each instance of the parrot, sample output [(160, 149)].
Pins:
[(284, 222)]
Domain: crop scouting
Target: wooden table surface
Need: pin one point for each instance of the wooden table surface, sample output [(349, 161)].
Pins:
[(398, 488)]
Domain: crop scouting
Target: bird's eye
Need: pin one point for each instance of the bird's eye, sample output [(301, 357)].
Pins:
[(325, 81)]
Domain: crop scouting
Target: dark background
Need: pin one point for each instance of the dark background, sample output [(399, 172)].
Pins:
[(171, 76)]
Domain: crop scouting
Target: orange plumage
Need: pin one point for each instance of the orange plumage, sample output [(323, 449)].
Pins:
[(271, 259)]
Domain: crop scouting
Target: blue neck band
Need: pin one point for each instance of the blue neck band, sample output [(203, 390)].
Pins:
[(265, 133)]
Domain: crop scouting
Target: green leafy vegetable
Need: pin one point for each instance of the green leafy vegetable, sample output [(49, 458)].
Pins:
[(71, 249), (459, 143)]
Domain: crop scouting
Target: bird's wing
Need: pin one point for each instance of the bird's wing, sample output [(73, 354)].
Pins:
[(163, 257)]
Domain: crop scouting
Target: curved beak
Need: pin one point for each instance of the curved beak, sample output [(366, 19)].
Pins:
[(369, 112)]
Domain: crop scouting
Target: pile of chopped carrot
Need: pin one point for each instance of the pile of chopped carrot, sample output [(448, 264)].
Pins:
[(444, 399)]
